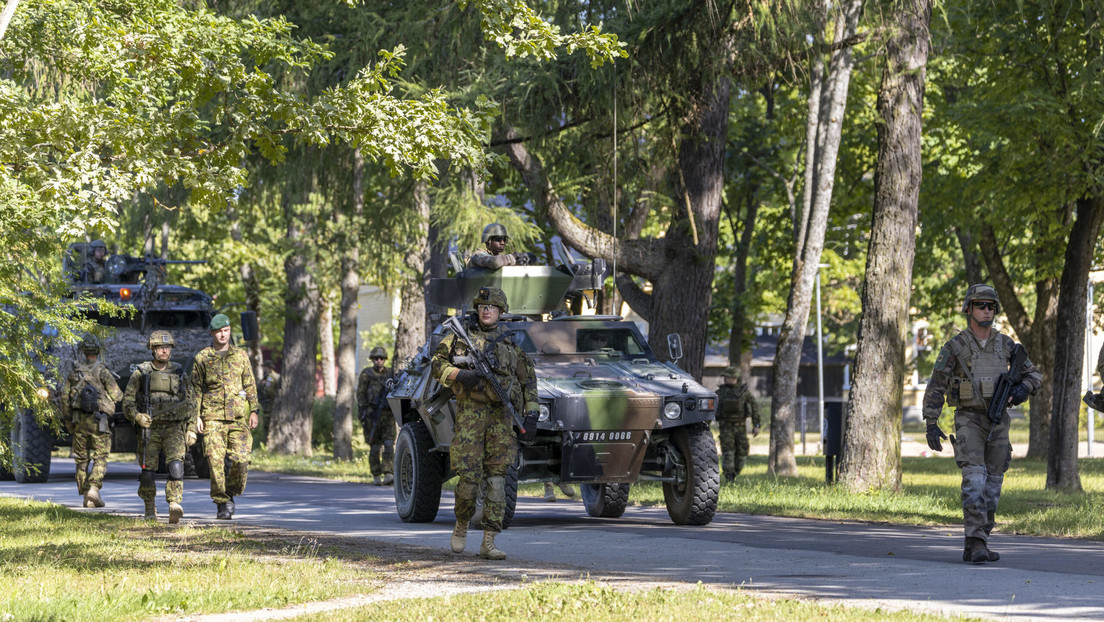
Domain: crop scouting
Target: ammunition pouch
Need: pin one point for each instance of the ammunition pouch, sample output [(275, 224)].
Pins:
[(102, 423)]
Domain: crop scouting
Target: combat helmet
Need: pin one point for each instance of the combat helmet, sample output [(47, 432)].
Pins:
[(495, 230), (731, 372), (980, 291), (90, 345), (160, 338), (97, 244), (491, 296), (378, 352)]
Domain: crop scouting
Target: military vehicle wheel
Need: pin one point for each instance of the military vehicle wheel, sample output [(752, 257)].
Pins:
[(31, 446), (692, 498), (605, 500), (419, 474)]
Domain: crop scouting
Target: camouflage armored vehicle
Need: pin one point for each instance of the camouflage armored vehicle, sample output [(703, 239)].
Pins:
[(136, 282), (611, 413)]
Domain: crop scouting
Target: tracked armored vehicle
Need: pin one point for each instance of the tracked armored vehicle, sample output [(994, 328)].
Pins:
[(611, 413), (137, 282)]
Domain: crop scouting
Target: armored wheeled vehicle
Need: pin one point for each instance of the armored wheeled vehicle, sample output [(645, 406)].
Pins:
[(127, 281), (611, 413)]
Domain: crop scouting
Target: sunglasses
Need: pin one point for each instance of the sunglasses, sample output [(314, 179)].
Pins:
[(482, 308), (985, 306), (378, 358), (497, 239)]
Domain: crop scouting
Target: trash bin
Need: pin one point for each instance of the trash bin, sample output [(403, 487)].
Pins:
[(833, 439)]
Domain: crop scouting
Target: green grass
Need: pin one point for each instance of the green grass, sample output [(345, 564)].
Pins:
[(60, 564), (594, 602)]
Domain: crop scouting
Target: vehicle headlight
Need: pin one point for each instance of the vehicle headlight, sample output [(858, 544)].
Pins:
[(545, 413), (707, 404), (673, 410)]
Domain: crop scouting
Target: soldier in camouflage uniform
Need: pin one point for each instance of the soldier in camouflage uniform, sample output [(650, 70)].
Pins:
[(95, 269), (269, 387), (227, 408), (735, 405), (89, 395), (379, 431), (484, 446), (965, 374), (156, 401), (495, 239)]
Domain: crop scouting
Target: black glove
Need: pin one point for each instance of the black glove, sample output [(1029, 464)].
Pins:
[(934, 434), (467, 377), (530, 420), (1019, 394), (1093, 400), (525, 259)]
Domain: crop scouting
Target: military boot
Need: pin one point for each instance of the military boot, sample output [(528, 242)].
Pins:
[(459, 537), (223, 512), (568, 490), (489, 550), (975, 551), (92, 498), (175, 512), (376, 480), (230, 506), (388, 479), (151, 509), (549, 492)]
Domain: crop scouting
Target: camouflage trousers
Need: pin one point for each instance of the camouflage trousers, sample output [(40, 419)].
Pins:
[(381, 443), (734, 444), (983, 463), (90, 446), (167, 438), (227, 442), (484, 447)]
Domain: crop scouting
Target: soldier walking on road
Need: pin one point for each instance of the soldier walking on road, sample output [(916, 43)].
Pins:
[(156, 401), (484, 446), (966, 374), (89, 396), (492, 258), (735, 405), (226, 405), (379, 428)]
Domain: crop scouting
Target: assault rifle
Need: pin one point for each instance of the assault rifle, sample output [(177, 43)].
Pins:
[(1005, 383), (483, 367), (146, 431)]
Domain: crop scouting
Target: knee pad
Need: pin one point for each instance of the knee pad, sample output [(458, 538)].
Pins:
[(496, 489), (973, 487), (146, 478), (389, 447), (176, 469)]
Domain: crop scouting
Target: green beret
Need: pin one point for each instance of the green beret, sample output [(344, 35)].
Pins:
[(219, 321)]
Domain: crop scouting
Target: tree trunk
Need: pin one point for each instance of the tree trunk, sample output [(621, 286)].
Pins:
[(739, 337), (1069, 350), (969, 256), (412, 308), (345, 405), (289, 430), (326, 345), (813, 223), (872, 438)]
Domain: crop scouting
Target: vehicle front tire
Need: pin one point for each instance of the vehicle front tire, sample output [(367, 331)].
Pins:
[(692, 498), (31, 446), (605, 500), (419, 474)]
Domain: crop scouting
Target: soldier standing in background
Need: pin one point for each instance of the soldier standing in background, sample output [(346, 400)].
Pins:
[(484, 446), (965, 374), (735, 405), (156, 401), (226, 406), (492, 258), (379, 430), (268, 387), (89, 396), (95, 269)]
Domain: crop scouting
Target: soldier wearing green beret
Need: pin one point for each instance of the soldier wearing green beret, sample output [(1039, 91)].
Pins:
[(735, 405), (227, 412)]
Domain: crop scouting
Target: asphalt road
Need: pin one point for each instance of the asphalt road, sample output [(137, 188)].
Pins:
[(918, 568)]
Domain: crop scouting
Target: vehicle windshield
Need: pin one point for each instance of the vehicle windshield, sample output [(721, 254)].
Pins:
[(566, 339)]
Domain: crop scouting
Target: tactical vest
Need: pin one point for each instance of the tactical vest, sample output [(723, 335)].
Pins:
[(503, 357), (977, 370), (89, 374), (166, 392), (732, 399)]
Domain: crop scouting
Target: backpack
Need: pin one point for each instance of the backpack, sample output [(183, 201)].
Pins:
[(86, 396)]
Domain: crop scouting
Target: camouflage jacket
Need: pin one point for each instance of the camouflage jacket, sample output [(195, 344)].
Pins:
[(223, 386), (99, 376), (168, 399), (483, 258), (370, 385), (267, 390), (735, 403), (965, 373), (512, 367)]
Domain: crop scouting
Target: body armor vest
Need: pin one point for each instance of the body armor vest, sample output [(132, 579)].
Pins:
[(166, 392), (503, 357), (976, 369)]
